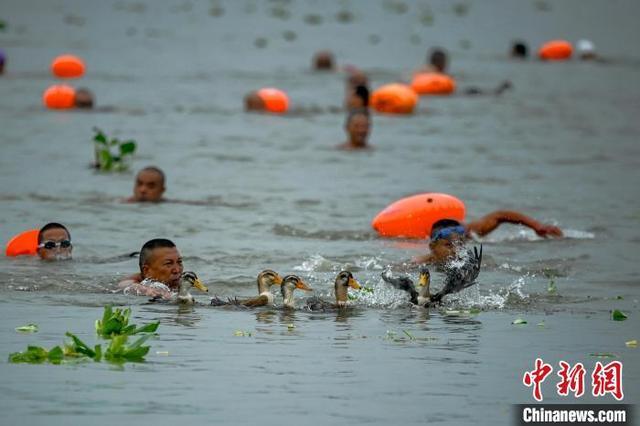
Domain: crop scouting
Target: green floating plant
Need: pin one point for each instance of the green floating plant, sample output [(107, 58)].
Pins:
[(618, 315), (114, 326), (116, 323), (551, 288), (112, 154), (119, 352), (29, 328)]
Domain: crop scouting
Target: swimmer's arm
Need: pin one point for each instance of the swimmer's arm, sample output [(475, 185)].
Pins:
[(491, 221)]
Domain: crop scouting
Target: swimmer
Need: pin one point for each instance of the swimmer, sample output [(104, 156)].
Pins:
[(84, 98), (323, 61), (358, 126), (160, 270), (54, 242), (358, 99), (3, 59), (253, 102), (476, 91), (355, 78), (519, 50), (448, 236), (586, 50), (149, 186)]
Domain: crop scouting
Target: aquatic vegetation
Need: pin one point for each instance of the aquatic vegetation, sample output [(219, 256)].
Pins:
[(551, 288), (105, 157), (289, 35), (344, 16), (603, 355), (3, 25), (29, 328), (518, 321), (113, 326), (313, 19), (242, 333), (631, 343), (260, 42), (116, 323), (618, 315)]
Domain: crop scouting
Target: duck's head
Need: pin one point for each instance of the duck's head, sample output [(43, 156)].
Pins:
[(344, 280), (289, 284), (424, 282), (189, 280), (266, 279)]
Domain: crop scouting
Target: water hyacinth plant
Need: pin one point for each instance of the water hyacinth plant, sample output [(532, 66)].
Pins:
[(114, 326), (112, 154)]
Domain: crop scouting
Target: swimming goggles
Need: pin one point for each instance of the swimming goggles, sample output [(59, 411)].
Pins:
[(50, 245), (447, 232)]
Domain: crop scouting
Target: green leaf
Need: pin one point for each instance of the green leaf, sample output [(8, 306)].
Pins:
[(148, 328), (631, 344), (33, 355), (79, 347), (128, 147), (56, 355), (105, 161), (29, 328), (519, 321), (551, 288), (409, 335), (617, 315), (100, 137)]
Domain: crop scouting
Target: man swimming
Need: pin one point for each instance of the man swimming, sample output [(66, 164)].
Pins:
[(448, 236), (161, 267), (149, 186), (358, 126), (54, 242)]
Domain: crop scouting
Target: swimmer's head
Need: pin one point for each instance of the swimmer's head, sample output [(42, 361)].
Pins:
[(54, 242), (358, 99), (519, 49), (323, 61), (358, 125), (586, 49), (253, 102), (84, 98), (438, 59), (149, 185), (447, 236), (161, 261)]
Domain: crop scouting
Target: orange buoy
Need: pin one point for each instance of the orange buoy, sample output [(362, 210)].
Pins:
[(433, 83), (275, 100), (67, 66), (394, 98), (413, 217), (59, 96), (25, 243), (555, 50)]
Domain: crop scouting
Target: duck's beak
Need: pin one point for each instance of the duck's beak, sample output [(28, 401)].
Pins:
[(303, 286), (198, 284), (354, 284), (424, 280)]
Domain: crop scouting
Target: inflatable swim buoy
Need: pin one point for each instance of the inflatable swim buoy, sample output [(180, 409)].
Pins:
[(413, 217), (433, 83), (25, 243), (67, 66), (275, 100), (555, 50), (394, 99), (59, 96)]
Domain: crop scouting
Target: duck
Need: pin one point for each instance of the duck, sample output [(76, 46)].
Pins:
[(189, 280), (289, 284), (420, 297), (265, 280), (457, 278), (343, 281)]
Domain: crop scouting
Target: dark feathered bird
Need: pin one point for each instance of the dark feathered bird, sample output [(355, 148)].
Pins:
[(459, 278), (418, 297)]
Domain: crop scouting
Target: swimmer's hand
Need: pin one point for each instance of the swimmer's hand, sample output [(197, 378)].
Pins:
[(548, 231)]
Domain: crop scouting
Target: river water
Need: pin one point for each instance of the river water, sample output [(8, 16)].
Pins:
[(561, 146)]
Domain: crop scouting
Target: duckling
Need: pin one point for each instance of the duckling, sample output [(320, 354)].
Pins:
[(344, 280), (456, 280), (265, 280), (187, 281), (419, 297), (289, 284)]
